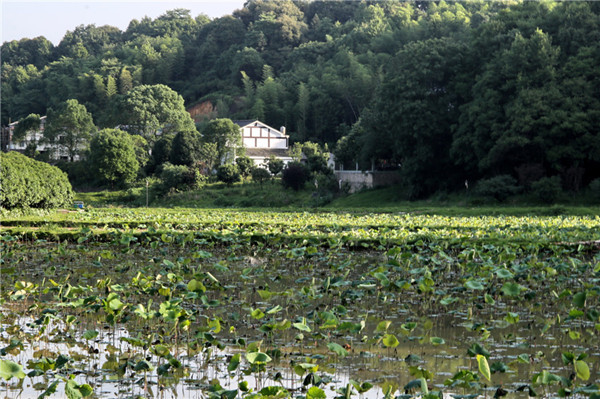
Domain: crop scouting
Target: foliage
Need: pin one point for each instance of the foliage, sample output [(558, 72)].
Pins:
[(156, 110), (112, 155), (178, 178), (355, 284), (260, 175), (446, 92), (294, 176), (140, 146), (226, 135), (244, 165), (229, 173), (30, 183), (70, 128), (595, 188), (209, 155), (547, 189), (499, 187), (161, 151), (274, 164), (186, 148), (31, 123)]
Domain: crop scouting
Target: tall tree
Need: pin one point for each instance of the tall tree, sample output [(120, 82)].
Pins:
[(185, 148), (31, 123), (157, 109), (411, 122), (70, 127), (112, 155), (226, 135)]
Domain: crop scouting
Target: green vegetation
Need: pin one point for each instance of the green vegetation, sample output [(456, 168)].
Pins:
[(113, 157), (70, 128), (30, 183), (445, 92), (263, 304)]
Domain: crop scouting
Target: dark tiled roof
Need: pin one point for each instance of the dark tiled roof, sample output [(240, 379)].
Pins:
[(266, 152), (244, 122)]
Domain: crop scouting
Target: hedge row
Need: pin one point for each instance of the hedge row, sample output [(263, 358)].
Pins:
[(25, 182)]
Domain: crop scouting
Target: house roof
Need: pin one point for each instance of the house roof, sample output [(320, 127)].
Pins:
[(267, 152), (246, 122)]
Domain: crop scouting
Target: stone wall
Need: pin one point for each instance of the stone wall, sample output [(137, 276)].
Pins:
[(358, 180)]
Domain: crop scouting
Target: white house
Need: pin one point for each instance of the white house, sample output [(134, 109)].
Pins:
[(261, 141), (35, 138)]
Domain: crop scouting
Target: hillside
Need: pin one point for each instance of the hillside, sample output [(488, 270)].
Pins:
[(450, 92)]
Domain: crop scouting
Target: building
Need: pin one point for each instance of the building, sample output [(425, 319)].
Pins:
[(34, 139), (262, 141)]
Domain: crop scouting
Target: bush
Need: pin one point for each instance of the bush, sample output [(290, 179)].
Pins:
[(274, 164), (244, 165), (260, 175), (79, 172), (178, 177), (547, 189), (30, 183), (112, 157), (185, 148), (595, 188), (294, 176), (229, 174), (499, 187)]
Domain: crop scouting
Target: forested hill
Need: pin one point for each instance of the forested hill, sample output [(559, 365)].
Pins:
[(448, 90)]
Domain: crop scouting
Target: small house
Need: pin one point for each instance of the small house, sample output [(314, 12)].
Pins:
[(261, 141)]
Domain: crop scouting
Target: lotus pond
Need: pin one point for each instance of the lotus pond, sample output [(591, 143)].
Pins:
[(224, 304)]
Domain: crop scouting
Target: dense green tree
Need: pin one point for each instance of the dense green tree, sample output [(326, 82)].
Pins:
[(112, 155), (186, 148), (274, 164), (294, 176), (177, 178), (244, 165), (411, 121), (156, 109), (140, 146), (516, 104), (88, 40), (70, 128), (226, 135), (29, 183), (37, 52), (260, 175), (209, 157), (31, 123), (161, 151), (229, 173), (530, 85)]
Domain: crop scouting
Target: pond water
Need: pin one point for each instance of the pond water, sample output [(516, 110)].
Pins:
[(174, 321)]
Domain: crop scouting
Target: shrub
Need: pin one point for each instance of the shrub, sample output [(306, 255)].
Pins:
[(112, 157), (228, 173), (186, 148), (547, 189), (274, 164), (294, 176), (260, 175), (499, 187), (178, 177), (30, 183), (244, 165), (595, 188), (529, 173)]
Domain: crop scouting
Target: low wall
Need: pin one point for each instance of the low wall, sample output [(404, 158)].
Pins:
[(358, 180)]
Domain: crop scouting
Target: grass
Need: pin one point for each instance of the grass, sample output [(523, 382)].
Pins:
[(272, 195), (214, 195)]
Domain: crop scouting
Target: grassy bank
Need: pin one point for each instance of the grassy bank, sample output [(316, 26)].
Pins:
[(390, 199)]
